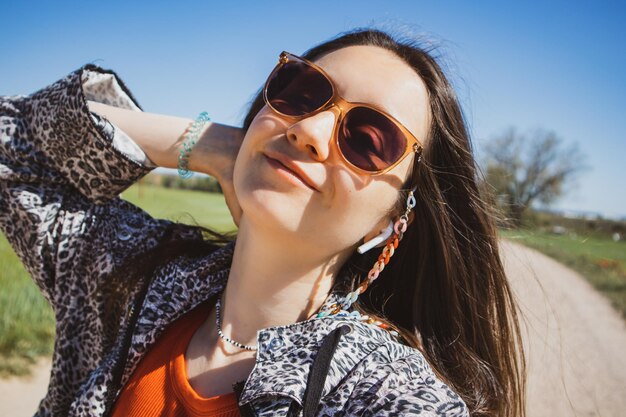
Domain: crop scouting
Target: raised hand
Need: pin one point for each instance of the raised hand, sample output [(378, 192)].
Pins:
[(214, 154)]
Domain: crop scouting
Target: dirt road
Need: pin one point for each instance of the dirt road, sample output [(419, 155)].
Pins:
[(575, 344), (575, 341)]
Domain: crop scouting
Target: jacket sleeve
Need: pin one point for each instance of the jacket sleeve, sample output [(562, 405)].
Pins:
[(423, 397), (62, 169)]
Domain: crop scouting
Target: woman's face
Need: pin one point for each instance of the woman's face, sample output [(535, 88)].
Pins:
[(344, 206)]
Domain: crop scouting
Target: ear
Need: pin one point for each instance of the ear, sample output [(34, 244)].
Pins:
[(376, 230), (380, 226)]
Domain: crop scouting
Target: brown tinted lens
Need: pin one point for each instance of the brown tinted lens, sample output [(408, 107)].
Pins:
[(297, 89), (370, 140)]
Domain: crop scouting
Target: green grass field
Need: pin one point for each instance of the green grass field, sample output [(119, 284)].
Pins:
[(207, 209), (26, 319), (601, 260)]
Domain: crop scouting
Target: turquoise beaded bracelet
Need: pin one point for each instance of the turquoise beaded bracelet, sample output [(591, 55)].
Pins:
[(190, 140)]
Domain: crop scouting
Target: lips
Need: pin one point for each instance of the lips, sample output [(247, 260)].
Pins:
[(292, 168)]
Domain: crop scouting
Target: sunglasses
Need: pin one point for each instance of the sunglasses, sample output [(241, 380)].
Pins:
[(370, 140)]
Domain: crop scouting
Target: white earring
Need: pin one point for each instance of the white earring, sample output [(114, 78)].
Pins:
[(376, 240)]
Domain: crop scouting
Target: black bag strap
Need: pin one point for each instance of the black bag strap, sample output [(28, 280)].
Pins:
[(319, 370)]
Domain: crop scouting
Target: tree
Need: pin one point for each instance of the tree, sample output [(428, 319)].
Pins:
[(523, 169)]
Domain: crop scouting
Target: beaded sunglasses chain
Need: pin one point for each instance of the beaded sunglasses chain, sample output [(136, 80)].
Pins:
[(340, 308)]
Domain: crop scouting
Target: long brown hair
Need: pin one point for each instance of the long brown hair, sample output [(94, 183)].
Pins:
[(445, 290)]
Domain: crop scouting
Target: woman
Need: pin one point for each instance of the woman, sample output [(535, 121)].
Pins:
[(359, 140)]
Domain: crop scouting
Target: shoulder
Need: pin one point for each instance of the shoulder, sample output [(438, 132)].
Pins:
[(420, 397), (409, 387), (396, 379)]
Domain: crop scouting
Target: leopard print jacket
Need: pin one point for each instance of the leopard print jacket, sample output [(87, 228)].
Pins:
[(62, 169)]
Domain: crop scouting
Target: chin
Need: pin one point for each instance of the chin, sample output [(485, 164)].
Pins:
[(272, 208)]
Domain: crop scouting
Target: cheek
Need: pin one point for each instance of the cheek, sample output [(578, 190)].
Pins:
[(258, 131), (361, 208)]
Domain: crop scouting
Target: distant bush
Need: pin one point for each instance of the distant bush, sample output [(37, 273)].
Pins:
[(582, 225), (196, 182)]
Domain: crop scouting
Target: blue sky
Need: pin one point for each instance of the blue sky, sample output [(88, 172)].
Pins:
[(558, 65)]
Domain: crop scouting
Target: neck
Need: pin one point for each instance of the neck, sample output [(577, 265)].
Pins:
[(274, 281)]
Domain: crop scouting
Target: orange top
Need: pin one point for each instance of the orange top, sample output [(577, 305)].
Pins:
[(159, 385)]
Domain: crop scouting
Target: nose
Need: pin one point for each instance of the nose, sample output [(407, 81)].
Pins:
[(313, 134)]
